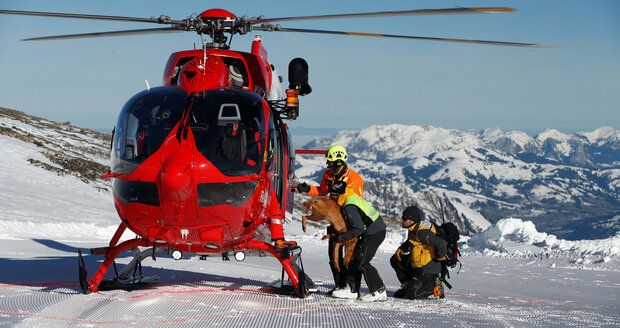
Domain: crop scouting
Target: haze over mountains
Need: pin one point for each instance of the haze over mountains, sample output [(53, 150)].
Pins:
[(568, 185)]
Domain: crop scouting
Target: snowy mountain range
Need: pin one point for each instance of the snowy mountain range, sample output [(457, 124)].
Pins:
[(568, 185)]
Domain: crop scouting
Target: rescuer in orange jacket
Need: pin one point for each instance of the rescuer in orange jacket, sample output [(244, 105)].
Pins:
[(337, 169)]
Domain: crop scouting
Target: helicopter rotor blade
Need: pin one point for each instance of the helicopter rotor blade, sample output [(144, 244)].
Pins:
[(159, 20), (487, 42), (416, 12), (105, 34)]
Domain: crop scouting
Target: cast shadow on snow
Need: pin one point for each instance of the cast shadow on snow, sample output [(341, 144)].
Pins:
[(56, 245), (59, 273)]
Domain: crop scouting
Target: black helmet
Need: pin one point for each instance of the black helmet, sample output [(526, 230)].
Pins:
[(413, 213), (338, 187)]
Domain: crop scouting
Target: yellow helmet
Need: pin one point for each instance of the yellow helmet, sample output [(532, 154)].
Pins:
[(336, 152)]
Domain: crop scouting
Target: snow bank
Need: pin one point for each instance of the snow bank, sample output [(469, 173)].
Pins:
[(58, 231), (508, 238), (516, 238)]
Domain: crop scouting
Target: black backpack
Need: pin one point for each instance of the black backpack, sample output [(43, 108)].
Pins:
[(450, 233)]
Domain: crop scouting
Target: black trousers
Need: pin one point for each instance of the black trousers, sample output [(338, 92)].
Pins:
[(366, 249), (418, 283), (402, 267)]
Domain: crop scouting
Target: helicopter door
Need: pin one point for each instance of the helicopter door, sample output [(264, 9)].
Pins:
[(278, 139), (275, 155), (285, 170)]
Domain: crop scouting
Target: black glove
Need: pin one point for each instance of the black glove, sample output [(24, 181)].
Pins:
[(405, 248), (403, 252), (303, 187), (445, 258), (333, 233)]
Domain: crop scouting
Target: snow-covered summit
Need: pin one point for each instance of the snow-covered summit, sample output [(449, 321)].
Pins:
[(518, 138), (552, 134), (602, 134)]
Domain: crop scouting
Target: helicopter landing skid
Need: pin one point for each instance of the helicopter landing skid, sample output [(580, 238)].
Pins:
[(129, 284), (131, 278), (288, 259), (132, 273), (111, 252)]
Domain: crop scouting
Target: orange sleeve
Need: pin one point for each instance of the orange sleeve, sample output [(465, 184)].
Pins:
[(314, 191), (322, 189), (356, 181)]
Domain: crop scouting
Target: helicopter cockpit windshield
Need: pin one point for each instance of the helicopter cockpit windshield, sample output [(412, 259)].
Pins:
[(143, 124), (228, 128)]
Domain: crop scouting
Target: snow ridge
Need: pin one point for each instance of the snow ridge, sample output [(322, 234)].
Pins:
[(516, 238)]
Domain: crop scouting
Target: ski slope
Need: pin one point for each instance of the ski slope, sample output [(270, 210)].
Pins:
[(512, 276)]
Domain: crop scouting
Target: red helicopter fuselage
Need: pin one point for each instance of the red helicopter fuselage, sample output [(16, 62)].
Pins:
[(199, 164)]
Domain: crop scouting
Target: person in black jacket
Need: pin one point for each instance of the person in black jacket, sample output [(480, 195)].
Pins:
[(365, 223), (417, 261)]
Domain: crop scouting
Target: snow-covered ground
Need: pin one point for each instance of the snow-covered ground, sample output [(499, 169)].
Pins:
[(512, 275), (38, 288)]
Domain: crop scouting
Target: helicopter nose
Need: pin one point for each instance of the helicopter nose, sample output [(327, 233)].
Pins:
[(176, 172)]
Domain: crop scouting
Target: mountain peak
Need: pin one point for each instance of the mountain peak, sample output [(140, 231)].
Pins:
[(602, 133), (552, 134)]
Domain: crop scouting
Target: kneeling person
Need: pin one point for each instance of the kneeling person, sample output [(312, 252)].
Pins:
[(417, 260)]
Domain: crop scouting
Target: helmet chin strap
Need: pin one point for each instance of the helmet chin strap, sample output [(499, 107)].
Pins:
[(339, 170)]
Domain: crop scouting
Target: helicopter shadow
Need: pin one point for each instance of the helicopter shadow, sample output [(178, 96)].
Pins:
[(60, 273)]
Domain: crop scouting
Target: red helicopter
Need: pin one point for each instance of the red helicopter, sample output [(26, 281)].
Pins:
[(203, 164)]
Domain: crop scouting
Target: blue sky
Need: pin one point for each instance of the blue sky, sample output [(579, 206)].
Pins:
[(357, 81)]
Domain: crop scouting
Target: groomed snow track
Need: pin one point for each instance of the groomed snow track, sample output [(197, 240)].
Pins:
[(489, 292)]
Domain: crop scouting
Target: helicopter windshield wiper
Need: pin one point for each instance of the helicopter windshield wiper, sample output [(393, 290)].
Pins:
[(184, 121)]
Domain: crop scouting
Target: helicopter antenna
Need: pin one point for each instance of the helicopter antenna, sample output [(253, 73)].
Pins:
[(204, 56), (148, 86)]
